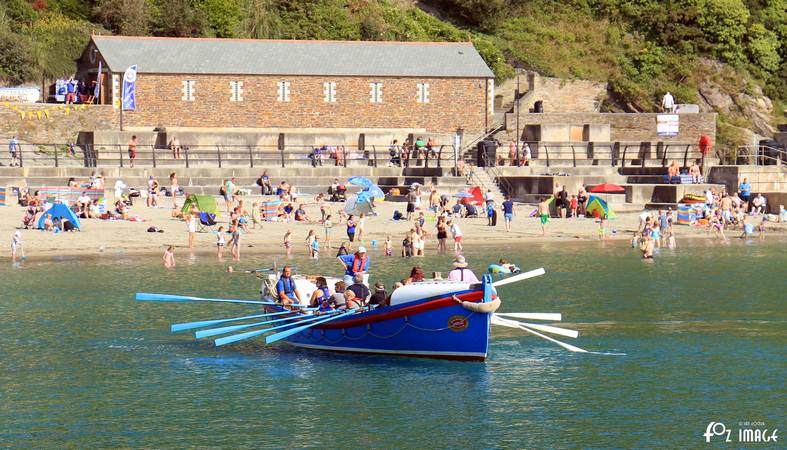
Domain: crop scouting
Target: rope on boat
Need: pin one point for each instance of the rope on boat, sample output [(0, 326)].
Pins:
[(485, 307)]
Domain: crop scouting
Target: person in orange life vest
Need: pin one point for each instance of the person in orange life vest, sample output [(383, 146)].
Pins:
[(358, 262)]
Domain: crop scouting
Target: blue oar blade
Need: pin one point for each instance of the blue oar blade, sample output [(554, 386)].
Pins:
[(224, 330), (204, 323), (144, 296), (251, 334), (283, 334)]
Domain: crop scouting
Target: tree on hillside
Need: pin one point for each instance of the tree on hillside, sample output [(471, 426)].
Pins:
[(126, 17)]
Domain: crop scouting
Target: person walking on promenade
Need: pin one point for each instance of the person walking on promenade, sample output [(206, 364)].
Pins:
[(132, 150)]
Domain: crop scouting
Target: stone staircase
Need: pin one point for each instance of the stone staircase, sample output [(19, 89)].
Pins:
[(485, 181)]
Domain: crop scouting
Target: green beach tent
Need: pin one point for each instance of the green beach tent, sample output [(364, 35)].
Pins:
[(597, 207), (204, 203)]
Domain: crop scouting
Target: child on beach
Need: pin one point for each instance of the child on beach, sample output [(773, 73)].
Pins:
[(602, 232), (16, 244), (407, 246), (761, 229), (169, 257), (255, 215), (457, 233), (327, 225), (220, 243), (315, 247), (387, 247), (288, 242), (574, 204), (309, 240), (359, 228)]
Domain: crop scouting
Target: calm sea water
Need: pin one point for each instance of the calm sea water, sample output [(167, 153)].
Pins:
[(703, 329)]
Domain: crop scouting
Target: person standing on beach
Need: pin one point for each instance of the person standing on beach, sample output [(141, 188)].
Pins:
[(16, 244), (351, 228), (235, 242), (220, 243), (508, 213), (543, 215), (411, 197), (132, 150), (192, 226), (169, 257), (457, 233), (173, 188)]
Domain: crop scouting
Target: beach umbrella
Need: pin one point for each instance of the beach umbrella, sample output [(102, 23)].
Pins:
[(360, 181), (597, 207), (608, 188), (463, 195), (375, 191)]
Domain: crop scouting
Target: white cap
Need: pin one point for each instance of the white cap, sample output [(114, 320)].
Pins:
[(361, 249)]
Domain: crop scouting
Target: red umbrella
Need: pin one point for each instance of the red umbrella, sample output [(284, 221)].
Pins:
[(607, 188)]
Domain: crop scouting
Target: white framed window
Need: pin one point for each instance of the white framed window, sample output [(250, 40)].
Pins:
[(188, 90), (236, 91), (376, 92), (329, 90), (423, 92), (283, 91)]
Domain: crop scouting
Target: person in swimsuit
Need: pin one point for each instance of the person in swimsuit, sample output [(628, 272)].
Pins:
[(543, 214), (442, 234), (220, 243), (351, 228), (288, 242), (388, 247), (169, 257)]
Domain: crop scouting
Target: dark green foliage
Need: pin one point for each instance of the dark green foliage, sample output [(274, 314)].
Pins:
[(16, 62)]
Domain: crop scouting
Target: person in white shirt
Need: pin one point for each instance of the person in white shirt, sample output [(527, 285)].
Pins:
[(84, 205), (668, 103), (461, 272), (120, 186), (454, 228)]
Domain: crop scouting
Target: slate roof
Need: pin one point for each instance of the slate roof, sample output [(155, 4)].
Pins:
[(282, 57)]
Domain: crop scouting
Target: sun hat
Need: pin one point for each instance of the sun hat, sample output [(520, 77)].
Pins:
[(460, 262)]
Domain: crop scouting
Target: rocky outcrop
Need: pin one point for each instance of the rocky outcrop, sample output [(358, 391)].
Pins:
[(735, 98)]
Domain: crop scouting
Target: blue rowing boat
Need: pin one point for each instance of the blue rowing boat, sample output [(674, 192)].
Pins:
[(432, 319)]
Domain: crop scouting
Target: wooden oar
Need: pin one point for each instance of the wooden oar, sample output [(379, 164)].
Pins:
[(283, 334), (520, 277), (562, 344), (545, 328), (251, 334), (143, 296), (551, 317), (205, 323), (224, 330)]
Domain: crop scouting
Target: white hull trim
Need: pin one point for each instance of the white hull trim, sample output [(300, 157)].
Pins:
[(392, 352)]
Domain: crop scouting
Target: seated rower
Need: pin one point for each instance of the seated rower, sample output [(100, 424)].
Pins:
[(338, 298), (351, 301), (359, 289), (321, 297), (416, 274), (286, 290), (380, 297), (355, 263), (461, 272)]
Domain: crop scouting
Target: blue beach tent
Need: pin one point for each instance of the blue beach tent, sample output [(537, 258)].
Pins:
[(59, 210)]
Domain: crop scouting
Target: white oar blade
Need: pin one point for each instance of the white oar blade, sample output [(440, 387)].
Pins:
[(545, 328), (552, 330), (520, 277), (519, 325), (550, 317)]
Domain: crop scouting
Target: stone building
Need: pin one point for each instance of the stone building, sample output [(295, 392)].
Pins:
[(270, 84)]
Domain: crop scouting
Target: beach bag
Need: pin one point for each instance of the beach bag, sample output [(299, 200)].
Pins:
[(397, 215)]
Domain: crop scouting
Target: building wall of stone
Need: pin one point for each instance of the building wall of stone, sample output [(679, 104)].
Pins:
[(53, 123), (622, 126), (561, 95), (453, 103)]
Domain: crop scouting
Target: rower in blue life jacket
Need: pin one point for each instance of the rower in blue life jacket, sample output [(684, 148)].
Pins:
[(286, 289), (321, 297), (358, 262)]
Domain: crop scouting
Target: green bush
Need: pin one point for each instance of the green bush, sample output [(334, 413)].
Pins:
[(16, 62), (763, 46)]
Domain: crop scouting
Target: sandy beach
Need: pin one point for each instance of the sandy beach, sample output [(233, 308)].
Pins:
[(114, 237)]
